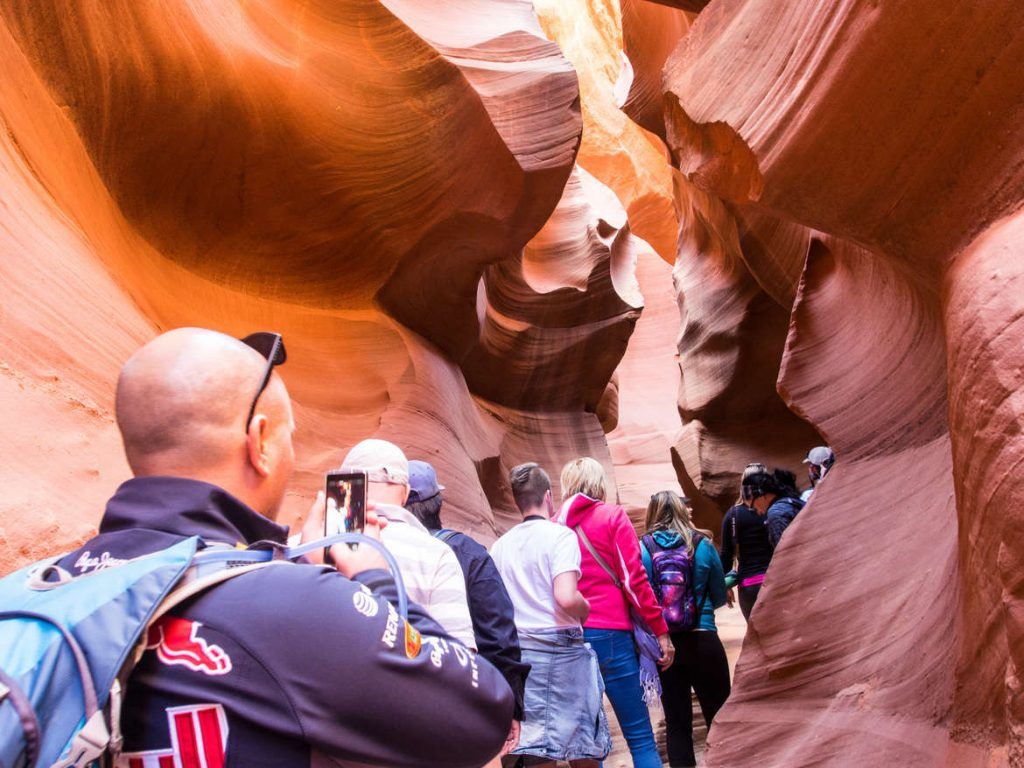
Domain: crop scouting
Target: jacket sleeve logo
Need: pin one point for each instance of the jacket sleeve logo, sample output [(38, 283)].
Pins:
[(176, 642), (199, 737)]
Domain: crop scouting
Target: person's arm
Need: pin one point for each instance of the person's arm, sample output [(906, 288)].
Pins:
[(714, 576), (632, 572), (494, 624), (366, 687), (728, 553), (777, 524), (568, 596), (449, 601), (648, 563)]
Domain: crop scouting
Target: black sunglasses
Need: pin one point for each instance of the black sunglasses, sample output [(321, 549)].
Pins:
[(271, 346)]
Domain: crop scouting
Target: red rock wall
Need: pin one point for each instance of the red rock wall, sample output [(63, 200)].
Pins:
[(874, 153), (361, 176)]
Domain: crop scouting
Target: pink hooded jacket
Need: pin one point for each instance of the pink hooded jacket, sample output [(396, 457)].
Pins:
[(612, 535)]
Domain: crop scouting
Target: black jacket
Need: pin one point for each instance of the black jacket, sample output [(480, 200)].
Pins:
[(490, 608), (781, 513), (272, 666), (751, 538)]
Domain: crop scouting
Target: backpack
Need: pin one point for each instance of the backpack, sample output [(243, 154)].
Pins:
[(674, 575), (69, 643)]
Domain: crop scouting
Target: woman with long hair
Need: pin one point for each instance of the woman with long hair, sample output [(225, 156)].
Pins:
[(745, 539), (687, 576), (612, 574)]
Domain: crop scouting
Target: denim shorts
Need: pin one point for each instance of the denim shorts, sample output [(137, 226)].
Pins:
[(563, 716)]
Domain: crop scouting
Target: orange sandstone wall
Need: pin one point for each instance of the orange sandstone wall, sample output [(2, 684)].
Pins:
[(389, 184)]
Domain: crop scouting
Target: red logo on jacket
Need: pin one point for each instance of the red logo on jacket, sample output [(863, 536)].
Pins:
[(199, 737), (176, 642)]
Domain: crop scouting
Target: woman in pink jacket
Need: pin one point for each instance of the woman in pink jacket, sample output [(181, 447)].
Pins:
[(608, 630)]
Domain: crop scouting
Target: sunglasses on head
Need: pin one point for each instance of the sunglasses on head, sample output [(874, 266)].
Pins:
[(271, 346)]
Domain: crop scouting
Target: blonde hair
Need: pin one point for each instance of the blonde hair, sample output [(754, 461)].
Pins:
[(584, 475), (667, 512)]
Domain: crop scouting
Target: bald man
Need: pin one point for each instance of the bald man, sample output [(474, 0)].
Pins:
[(284, 663)]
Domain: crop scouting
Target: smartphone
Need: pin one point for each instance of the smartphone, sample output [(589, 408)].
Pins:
[(346, 504)]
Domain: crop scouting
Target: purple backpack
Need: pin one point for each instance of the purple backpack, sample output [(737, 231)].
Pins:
[(674, 576)]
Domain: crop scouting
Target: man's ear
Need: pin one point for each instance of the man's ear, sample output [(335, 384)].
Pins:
[(256, 445), (405, 496)]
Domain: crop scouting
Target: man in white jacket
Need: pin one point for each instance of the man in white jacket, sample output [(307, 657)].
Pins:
[(432, 574)]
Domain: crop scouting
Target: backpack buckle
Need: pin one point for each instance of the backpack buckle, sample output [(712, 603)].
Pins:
[(88, 745)]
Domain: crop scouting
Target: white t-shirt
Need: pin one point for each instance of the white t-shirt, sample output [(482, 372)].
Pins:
[(529, 557)]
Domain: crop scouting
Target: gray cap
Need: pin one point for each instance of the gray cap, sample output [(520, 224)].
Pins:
[(820, 456), (383, 462)]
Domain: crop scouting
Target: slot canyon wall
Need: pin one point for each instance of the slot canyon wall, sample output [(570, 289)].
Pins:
[(677, 236), (867, 157), (392, 185)]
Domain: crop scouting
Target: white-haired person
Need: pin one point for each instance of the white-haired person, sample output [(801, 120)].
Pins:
[(431, 572)]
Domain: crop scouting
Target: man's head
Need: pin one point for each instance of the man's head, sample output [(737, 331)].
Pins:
[(424, 494), (819, 461), (531, 489), (386, 468), (182, 403)]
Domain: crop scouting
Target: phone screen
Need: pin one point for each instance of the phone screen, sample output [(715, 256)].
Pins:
[(346, 503)]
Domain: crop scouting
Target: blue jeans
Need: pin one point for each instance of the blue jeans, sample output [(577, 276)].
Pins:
[(616, 654)]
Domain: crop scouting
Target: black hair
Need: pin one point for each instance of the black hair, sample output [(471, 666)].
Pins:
[(780, 482), (427, 511), (529, 485)]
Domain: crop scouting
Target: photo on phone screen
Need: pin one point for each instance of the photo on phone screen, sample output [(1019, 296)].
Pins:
[(346, 503)]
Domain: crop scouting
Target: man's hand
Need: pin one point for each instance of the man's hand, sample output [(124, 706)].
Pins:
[(363, 558), (668, 651)]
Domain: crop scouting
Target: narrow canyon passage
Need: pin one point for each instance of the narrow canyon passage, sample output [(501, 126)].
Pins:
[(676, 236)]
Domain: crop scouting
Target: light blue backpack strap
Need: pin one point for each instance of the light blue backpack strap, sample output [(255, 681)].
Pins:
[(444, 534), (293, 553)]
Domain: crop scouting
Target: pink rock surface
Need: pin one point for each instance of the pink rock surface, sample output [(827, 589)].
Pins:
[(888, 630)]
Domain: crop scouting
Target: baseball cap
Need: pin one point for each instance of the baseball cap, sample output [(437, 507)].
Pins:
[(423, 483), (383, 462), (820, 456)]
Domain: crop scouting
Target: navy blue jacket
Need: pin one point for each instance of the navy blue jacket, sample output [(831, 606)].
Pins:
[(781, 513), (276, 665), (490, 608)]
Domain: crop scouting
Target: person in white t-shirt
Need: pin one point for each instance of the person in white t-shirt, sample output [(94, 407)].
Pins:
[(539, 561)]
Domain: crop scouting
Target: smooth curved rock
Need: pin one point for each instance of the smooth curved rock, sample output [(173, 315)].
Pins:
[(244, 166), (897, 653), (614, 149)]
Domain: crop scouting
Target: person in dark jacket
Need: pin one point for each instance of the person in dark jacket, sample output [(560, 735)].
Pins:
[(490, 607), (284, 664), (745, 543), (773, 495)]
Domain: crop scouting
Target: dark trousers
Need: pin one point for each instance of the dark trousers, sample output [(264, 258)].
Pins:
[(700, 665), (748, 596)]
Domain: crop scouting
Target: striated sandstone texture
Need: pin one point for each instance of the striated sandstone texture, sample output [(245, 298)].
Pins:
[(388, 184), (867, 158)]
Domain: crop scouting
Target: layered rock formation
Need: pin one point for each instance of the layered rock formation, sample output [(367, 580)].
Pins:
[(360, 176), (889, 626)]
